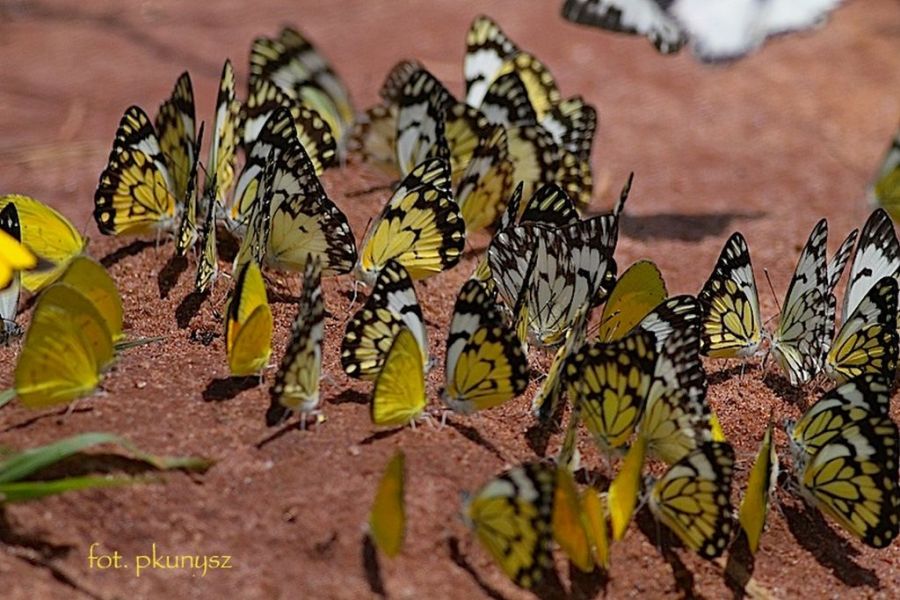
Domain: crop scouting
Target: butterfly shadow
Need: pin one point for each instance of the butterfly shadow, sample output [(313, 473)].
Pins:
[(351, 396), (372, 567), (473, 435), (781, 387), (169, 275), (726, 374), (132, 249), (381, 435), (666, 542), (828, 547), (59, 414), (227, 388), (585, 586), (188, 308), (740, 566), (12, 537), (681, 227), (459, 559)]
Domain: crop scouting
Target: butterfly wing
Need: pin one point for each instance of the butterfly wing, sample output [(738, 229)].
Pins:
[(296, 386), (731, 323), (693, 498), (94, 282), (877, 255), (885, 189), (399, 395), (485, 365), (641, 17), (762, 482), (486, 181), (638, 291), (248, 323), (387, 521)]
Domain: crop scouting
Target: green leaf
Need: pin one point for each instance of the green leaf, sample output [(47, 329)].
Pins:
[(26, 463), (6, 396), (23, 491)]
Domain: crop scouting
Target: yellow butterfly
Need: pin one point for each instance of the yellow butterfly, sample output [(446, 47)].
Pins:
[(844, 451), (49, 235), (637, 292), (421, 226), (762, 482), (594, 508), (89, 278), (296, 386), (693, 498), (399, 396), (569, 522), (14, 256), (625, 488), (67, 347), (511, 516), (387, 521), (248, 323), (484, 365)]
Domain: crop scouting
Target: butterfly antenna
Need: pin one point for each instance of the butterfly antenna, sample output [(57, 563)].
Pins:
[(772, 289)]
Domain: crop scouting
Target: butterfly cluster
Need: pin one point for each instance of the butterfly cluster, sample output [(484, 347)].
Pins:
[(511, 156)]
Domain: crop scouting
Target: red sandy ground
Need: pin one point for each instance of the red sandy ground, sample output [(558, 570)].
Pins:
[(766, 146)]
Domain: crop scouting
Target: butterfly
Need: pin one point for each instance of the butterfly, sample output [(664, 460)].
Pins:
[(511, 516), (94, 282), (610, 382), (295, 218), (638, 291), (486, 181), (297, 67), (867, 341), (676, 416), (421, 121), (208, 262), (67, 348), (693, 498), (371, 331), (760, 486), (715, 33), (485, 365), (641, 17), (844, 451), (248, 323), (558, 270), (14, 257), (594, 508), (186, 235), (399, 396), (569, 522), (144, 186), (731, 325), (225, 137), (625, 488), (797, 342), (49, 235), (885, 189), (877, 255), (420, 226), (546, 401), (387, 521), (296, 386)]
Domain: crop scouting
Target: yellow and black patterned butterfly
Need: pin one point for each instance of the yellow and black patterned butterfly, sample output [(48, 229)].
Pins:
[(885, 189), (640, 17), (486, 181), (387, 521), (138, 191), (760, 486), (371, 331), (49, 235), (399, 396), (296, 386), (693, 498), (420, 226), (208, 261), (421, 125), (293, 64), (731, 324), (299, 221), (248, 323), (610, 383), (877, 255), (844, 451), (220, 176), (314, 133), (187, 235), (867, 341), (511, 517), (485, 365), (676, 417)]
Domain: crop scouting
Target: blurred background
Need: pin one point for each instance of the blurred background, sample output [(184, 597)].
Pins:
[(765, 145)]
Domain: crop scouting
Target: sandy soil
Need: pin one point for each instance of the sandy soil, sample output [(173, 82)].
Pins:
[(767, 146)]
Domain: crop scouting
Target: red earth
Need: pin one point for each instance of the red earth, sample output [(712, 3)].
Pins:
[(766, 146)]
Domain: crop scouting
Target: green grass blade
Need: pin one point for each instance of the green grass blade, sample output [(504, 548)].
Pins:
[(24, 491), (6, 396)]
